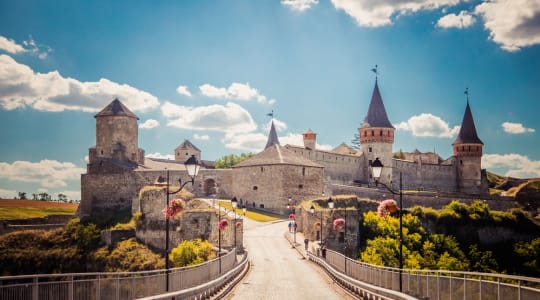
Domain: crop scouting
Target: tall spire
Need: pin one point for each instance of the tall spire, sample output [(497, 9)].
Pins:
[(272, 137), (376, 116), (467, 132)]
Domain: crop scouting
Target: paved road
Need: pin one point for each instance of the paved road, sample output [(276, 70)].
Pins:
[(278, 271)]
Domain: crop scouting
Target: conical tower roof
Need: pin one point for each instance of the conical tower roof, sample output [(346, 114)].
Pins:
[(272, 137), (467, 132), (116, 108), (376, 116)]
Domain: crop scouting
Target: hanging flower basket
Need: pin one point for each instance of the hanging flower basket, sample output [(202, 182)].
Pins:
[(292, 216), (176, 207), (238, 224), (387, 207), (339, 223), (223, 223)]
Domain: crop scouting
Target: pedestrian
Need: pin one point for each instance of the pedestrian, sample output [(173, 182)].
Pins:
[(295, 226), (306, 242), (290, 226)]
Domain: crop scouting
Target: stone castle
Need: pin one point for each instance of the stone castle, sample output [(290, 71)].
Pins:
[(118, 169)]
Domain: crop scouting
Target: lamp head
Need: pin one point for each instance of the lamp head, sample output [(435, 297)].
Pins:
[(376, 168), (330, 203), (312, 209), (234, 202), (192, 166)]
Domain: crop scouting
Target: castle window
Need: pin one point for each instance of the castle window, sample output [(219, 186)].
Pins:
[(370, 161), (380, 133), (303, 171), (262, 169), (255, 188), (469, 148), (101, 152), (388, 132), (370, 149), (300, 186), (365, 133), (461, 162), (373, 133)]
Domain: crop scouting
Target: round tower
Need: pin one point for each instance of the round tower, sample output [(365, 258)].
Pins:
[(377, 137), (117, 133), (310, 139), (468, 152)]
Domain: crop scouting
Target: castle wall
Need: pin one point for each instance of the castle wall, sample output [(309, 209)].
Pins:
[(435, 177), (117, 137), (337, 167), (270, 186)]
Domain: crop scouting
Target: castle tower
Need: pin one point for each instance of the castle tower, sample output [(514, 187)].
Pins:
[(117, 135), (310, 139), (377, 137), (272, 137), (468, 153), (185, 150)]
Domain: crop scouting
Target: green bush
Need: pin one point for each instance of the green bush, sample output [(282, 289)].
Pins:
[(191, 252)]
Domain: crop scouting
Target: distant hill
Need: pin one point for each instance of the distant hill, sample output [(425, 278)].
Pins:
[(525, 191)]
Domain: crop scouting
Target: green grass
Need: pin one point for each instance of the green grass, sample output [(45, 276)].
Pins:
[(15, 213), (253, 215)]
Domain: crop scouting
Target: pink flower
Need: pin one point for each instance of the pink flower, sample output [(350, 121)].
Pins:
[(223, 223), (386, 207), (176, 206), (339, 223), (292, 216)]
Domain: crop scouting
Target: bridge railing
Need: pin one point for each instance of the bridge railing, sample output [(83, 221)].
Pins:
[(112, 285), (439, 284)]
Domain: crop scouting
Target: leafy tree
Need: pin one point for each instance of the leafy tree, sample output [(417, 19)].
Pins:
[(22, 195), (399, 154), (191, 252), (34, 196), (87, 236), (530, 254), (226, 162), (62, 197), (355, 142), (482, 261), (44, 196)]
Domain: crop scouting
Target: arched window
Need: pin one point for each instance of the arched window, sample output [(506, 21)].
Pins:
[(255, 188)]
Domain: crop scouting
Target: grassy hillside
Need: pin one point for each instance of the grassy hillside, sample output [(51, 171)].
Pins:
[(11, 209)]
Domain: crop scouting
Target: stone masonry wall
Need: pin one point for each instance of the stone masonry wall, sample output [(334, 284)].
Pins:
[(433, 177)]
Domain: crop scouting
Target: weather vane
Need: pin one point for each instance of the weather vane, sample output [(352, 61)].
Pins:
[(271, 114), (376, 71), (467, 93)]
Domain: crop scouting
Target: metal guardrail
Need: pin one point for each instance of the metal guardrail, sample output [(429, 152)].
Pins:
[(111, 285), (436, 284)]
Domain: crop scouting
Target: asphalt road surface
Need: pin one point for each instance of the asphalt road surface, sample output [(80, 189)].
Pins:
[(278, 271)]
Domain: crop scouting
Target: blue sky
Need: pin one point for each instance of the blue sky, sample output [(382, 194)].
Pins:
[(211, 71)]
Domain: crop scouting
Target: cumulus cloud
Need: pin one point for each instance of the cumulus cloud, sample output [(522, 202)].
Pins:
[(149, 124), (72, 195), (46, 173), (299, 5), (21, 87), (513, 24), (183, 90), (463, 20), (517, 165), (10, 45), (204, 137), (428, 125), (29, 46), (279, 125), (160, 156), (251, 142), (8, 194), (236, 91), (515, 128), (375, 13), (224, 118)]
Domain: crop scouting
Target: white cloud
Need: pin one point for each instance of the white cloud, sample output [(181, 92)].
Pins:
[(428, 125), (251, 142), (375, 13), (513, 24), (149, 124), (47, 173), (517, 165), (72, 195), (183, 90), (10, 45), (236, 91), (161, 156), (201, 136), (299, 5), (463, 20), (515, 128), (8, 194), (279, 125), (224, 118), (21, 87)]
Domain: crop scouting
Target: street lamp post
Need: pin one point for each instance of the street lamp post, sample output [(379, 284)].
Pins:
[(234, 203), (376, 168), (192, 168)]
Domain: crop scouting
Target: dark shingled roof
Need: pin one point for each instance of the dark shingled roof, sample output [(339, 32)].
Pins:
[(116, 108), (188, 145), (277, 155), (272, 137), (376, 116), (467, 132)]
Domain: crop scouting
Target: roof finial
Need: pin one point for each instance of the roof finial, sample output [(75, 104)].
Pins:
[(376, 71), (271, 114), (467, 93)]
